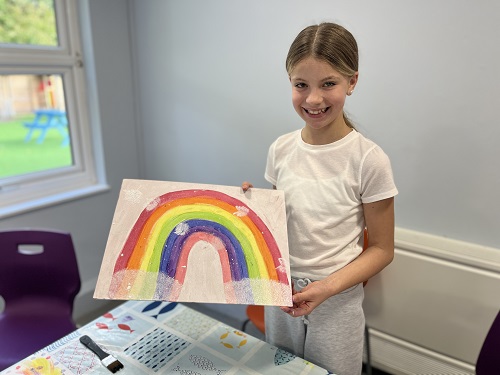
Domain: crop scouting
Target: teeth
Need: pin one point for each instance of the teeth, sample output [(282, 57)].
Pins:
[(310, 111)]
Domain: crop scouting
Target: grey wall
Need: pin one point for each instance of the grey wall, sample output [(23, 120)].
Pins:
[(214, 94)]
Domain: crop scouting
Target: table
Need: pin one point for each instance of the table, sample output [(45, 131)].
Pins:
[(151, 337), (46, 119)]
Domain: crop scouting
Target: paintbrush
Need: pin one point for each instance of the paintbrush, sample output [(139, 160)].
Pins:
[(107, 360)]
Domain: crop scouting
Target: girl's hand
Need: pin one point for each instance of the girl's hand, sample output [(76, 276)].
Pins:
[(246, 185), (305, 301)]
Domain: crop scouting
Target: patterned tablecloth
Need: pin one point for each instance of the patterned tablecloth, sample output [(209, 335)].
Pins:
[(163, 338)]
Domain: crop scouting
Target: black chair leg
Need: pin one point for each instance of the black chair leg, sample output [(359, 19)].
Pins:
[(368, 353), (245, 323)]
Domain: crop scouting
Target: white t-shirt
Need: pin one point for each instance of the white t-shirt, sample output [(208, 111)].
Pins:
[(325, 187)]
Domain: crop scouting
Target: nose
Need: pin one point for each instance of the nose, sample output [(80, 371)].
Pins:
[(314, 97)]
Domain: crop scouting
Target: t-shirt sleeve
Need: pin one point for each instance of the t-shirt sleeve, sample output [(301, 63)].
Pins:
[(270, 173), (377, 180)]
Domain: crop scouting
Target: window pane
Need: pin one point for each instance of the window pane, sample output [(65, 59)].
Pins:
[(34, 129), (30, 22)]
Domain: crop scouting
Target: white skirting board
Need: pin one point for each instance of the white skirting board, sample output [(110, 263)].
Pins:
[(399, 357), (429, 311)]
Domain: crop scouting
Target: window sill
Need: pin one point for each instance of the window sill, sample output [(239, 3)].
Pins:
[(52, 200)]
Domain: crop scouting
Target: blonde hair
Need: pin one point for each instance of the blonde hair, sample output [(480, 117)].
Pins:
[(329, 42)]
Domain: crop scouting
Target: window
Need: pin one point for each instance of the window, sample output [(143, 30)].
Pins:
[(49, 150)]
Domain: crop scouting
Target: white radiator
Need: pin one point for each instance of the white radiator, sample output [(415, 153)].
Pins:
[(429, 311)]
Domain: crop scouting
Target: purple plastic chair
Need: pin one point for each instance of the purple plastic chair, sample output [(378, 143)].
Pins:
[(39, 280), (488, 362)]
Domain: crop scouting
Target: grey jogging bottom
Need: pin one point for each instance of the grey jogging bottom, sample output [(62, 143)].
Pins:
[(331, 336)]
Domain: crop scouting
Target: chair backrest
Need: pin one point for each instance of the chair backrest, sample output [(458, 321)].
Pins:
[(488, 361), (255, 314), (38, 262)]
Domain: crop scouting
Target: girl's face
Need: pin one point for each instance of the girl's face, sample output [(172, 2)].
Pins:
[(319, 92)]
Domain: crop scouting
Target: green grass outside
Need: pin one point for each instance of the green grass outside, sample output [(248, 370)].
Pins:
[(18, 156)]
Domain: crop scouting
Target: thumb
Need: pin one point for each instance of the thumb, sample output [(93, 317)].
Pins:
[(298, 298)]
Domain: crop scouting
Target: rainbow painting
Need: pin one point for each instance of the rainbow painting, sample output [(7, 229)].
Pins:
[(184, 242)]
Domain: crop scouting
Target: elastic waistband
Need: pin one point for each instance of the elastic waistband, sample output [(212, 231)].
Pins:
[(300, 283)]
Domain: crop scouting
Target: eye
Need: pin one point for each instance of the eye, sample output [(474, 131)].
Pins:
[(300, 85), (329, 84)]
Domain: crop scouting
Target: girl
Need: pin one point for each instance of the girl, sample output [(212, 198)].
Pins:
[(336, 183)]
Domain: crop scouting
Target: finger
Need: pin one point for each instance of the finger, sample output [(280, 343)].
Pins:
[(246, 185), (290, 311), (298, 298), (298, 312)]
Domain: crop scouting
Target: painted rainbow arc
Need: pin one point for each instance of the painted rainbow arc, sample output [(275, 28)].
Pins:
[(154, 258)]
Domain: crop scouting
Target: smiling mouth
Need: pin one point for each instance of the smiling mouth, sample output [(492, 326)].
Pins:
[(316, 111)]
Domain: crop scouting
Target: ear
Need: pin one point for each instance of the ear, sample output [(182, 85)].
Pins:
[(352, 82)]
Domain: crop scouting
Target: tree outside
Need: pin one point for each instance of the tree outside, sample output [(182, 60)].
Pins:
[(30, 22)]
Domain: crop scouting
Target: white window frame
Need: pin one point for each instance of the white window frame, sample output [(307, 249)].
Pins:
[(86, 176)]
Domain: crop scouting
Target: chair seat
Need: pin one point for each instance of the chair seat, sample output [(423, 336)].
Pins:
[(29, 334), (32, 316)]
